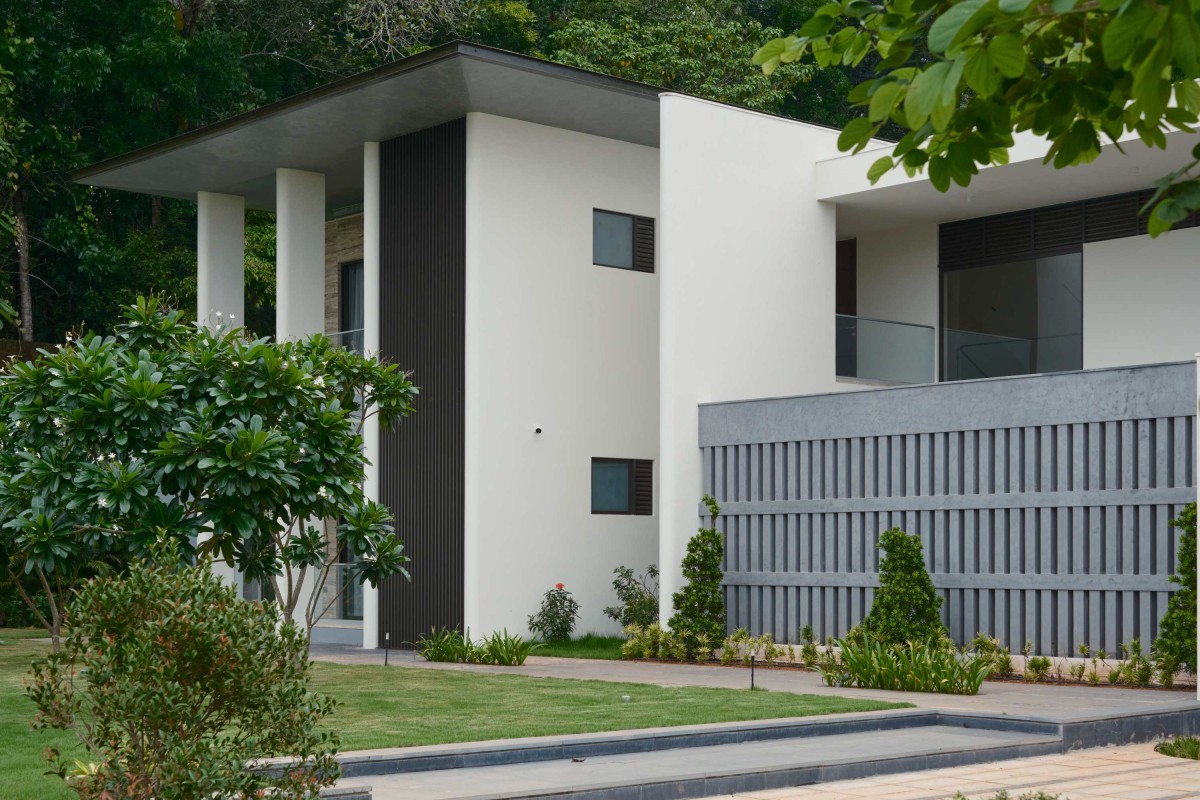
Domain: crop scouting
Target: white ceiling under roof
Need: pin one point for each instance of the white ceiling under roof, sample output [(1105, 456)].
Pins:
[(1025, 182), (323, 130)]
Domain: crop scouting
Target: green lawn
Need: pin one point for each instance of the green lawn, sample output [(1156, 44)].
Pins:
[(398, 706), (590, 645), (21, 761)]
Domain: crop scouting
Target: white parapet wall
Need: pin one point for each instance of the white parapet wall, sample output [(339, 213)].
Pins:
[(557, 343), (746, 286)]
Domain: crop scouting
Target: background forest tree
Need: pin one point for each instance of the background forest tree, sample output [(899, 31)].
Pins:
[(83, 80)]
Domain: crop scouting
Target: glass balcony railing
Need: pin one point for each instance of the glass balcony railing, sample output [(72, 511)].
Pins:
[(342, 596), (351, 340), (884, 351), (970, 354)]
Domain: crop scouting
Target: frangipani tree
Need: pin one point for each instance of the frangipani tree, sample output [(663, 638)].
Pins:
[(169, 430), (961, 77)]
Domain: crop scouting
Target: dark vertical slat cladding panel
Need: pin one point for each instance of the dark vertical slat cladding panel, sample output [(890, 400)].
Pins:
[(423, 290)]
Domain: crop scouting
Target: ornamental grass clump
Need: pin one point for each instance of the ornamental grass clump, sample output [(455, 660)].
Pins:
[(173, 684), (449, 645), (912, 667)]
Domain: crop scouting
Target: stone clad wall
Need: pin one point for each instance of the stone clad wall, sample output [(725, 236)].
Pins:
[(343, 242)]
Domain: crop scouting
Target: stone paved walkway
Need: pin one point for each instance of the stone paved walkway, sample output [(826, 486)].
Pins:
[(1132, 772)]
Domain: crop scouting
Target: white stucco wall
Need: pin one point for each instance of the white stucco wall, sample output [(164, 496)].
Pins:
[(898, 282), (747, 283), (1139, 299), (553, 342), (898, 274)]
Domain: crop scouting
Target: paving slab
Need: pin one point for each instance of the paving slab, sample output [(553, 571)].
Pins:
[(1126, 772), (689, 772)]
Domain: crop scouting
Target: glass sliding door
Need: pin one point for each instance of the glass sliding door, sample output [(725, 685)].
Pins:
[(1014, 318)]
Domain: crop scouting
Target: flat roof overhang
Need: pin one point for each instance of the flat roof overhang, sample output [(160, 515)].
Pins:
[(1025, 182), (323, 130)]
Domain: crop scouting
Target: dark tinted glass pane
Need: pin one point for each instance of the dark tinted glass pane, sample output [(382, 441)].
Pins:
[(1017, 318), (612, 239), (352, 296), (610, 487)]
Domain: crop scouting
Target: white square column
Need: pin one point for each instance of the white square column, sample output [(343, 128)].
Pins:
[(220, 285), (299, 253), (371, 346), (220, 257)]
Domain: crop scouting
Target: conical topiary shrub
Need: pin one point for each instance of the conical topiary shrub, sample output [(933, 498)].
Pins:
[(906, 607), (700, 605)]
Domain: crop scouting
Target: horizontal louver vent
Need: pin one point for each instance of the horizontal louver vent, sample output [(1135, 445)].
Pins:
[(1047, 231), (643, 487), (643, 244)]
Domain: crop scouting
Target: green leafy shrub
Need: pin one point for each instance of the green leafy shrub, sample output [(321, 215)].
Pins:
[(1136, 669), (906, 607), (555, 620), (1180, 747), (913, 667), (832, 667), (637, 597), (22, 603), (1004, 795), (446, 645), (452, 646), (1176, 642), (174, 684), (1001, 658), (1037, 668), (700, 604)]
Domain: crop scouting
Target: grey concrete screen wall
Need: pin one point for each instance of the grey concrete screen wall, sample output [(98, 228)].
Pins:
[(1043, 502)]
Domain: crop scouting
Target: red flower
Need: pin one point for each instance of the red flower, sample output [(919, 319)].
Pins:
[(558, 586)]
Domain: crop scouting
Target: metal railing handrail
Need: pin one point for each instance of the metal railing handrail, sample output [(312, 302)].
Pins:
[(886, 321)]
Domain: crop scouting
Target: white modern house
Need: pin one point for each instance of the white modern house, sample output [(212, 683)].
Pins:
[(616, 298)]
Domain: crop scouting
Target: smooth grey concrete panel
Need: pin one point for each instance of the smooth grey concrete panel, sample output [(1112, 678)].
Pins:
[(1084, 396)]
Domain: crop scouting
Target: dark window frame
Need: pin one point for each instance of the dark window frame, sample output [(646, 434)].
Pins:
[(640, 469), (642, 237)]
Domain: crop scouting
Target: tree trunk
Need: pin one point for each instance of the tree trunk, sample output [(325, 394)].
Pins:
[(155, 211), (26, 318)]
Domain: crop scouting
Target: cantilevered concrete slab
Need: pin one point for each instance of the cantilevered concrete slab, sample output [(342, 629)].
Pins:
[(323, 130)]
